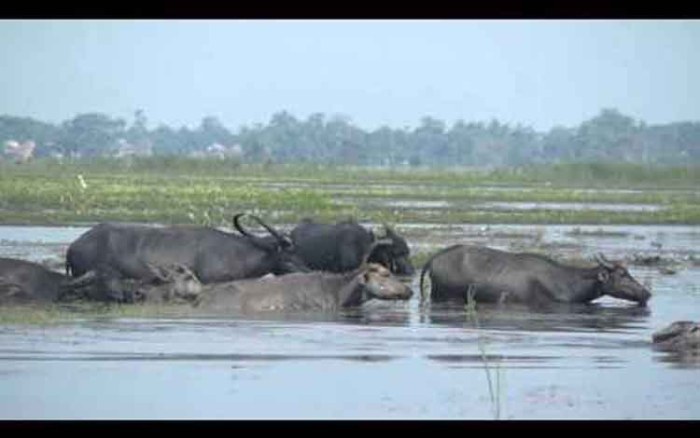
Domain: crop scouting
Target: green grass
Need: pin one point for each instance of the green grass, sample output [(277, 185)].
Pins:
[(209, 192), (494, 383), (42, 314)]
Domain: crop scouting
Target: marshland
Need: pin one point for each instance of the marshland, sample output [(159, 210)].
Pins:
[(386, 359), (575, 140)]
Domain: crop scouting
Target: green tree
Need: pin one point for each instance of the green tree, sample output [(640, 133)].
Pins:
[(91, 134), (609, 135), (430, 142)]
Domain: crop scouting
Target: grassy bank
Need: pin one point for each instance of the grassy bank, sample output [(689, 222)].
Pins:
[(209, 192), (43, 314)]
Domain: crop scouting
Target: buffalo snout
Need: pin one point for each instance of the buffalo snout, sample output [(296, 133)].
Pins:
[(383, 285), (645, 296), (618, 283)]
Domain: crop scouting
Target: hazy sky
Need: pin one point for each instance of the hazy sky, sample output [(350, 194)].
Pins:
[(539, 73)]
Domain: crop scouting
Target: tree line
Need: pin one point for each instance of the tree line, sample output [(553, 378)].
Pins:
[(610, 136)]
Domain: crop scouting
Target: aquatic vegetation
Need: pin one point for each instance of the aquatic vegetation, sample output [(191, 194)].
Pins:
[(495, 394), (209, 192), (42, 314)]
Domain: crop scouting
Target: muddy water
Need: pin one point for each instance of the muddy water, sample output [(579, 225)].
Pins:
[(386, 360)]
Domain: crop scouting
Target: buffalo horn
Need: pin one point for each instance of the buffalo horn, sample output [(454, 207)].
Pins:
[(286, 241), (82, 280), (600, 258)]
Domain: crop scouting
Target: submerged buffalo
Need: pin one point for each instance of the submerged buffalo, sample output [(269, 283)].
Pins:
[(212, 255), (490, 275), (296, 291), (172, 284), (341, 247), (680, 336), (22, 281)]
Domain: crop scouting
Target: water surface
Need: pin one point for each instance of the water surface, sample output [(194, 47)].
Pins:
[(386, 360)]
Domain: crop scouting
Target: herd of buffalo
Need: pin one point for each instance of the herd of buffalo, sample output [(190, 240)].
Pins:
[(314, 266)]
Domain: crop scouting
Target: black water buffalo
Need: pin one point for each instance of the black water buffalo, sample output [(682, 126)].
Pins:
[(22, 281), (304, 291), (341, 247), (491, 275), (680, 336), (213, 255)]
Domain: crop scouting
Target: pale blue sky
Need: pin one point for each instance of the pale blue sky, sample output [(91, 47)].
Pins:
[(538, 73)]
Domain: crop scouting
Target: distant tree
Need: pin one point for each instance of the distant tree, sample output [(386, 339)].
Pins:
[(342, 140), (430, 142), (138, 134), (381, 147), (282, 136), (524, 147), (312, 138), (609, 135), (558, 145), (460, 144), (91, 134), (166, 141), (209, 132)]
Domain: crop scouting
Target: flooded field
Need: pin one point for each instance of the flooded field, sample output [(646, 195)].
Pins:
[(386, 360)]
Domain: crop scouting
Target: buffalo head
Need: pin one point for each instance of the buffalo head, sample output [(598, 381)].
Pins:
[(393, 253), (103, 285), (680, 336), (378, 282), (175, 283), (616, 281)]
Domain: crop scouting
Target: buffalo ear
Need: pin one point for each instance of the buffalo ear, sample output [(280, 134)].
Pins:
[(373, 247), (288, 242), (600, 258), (364, 277), (603, 276)]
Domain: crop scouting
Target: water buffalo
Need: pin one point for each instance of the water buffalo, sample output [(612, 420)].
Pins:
[(498, 276), (680, 336), (172, 284), (340, 247), (305, 291), (22, 281), (213, 255)]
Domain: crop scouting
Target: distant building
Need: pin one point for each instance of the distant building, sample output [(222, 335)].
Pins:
[(20, 152), (217, 150), (126, 149)]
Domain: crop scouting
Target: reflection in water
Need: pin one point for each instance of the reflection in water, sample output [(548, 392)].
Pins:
[(479, 359), (550, 317), (175, 357), (680, 359)]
